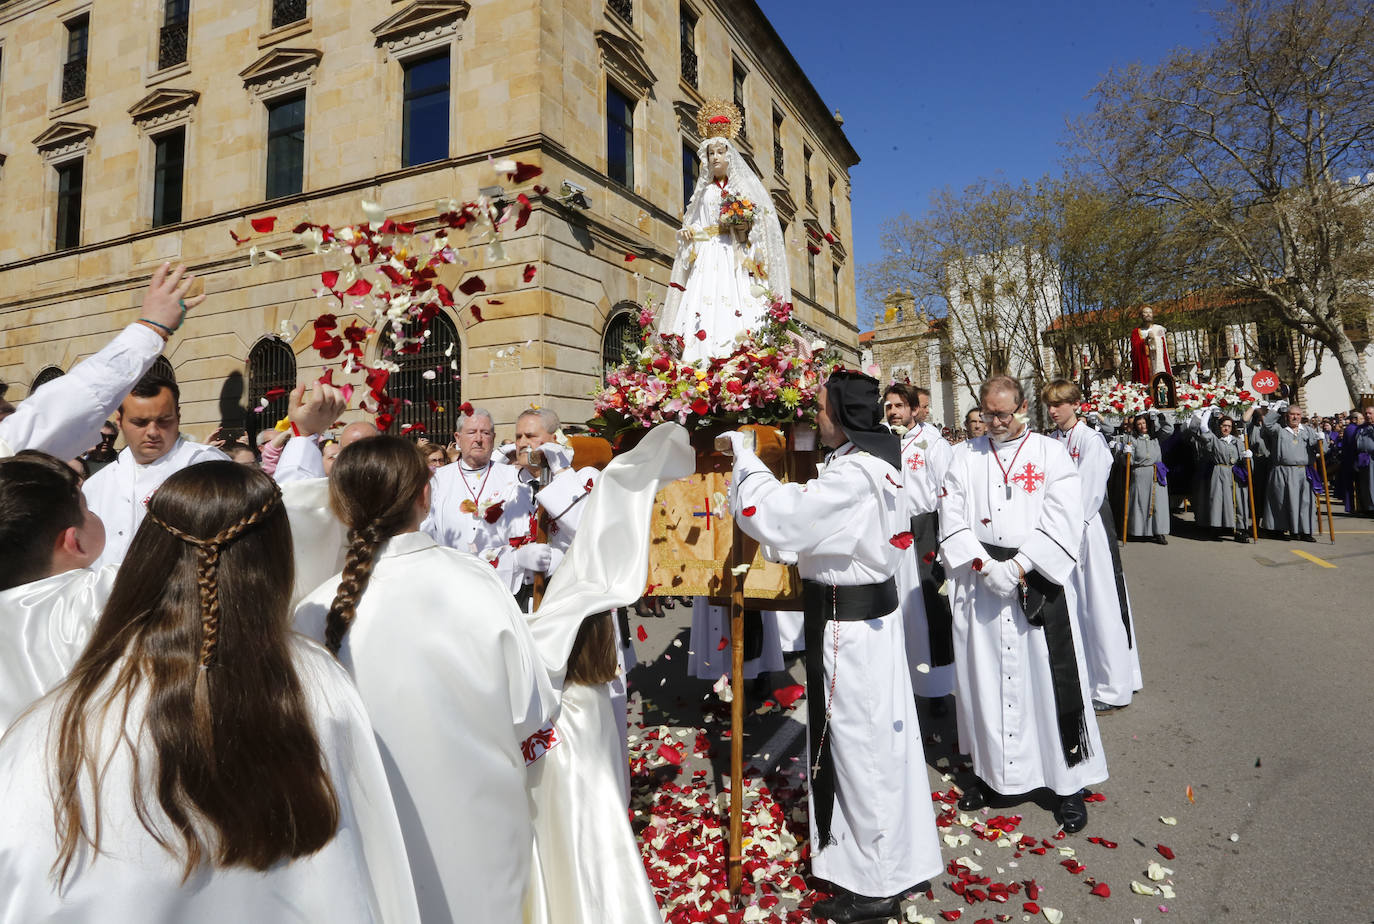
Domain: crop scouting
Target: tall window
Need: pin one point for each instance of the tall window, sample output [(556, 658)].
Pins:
[(287, 11), (433, 401), (691, 169), (835, 281), (69, 176), (169, 158), (285, 146), (623, 340), (687, 31), (424, 120), (806, 168), (171, 43), (74, 68), (620, 137), (271, 366), (777, 144), (737, 75), (44, 377), (810, 274)]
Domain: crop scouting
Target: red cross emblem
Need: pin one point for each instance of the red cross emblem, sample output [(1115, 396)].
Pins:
[(1029, 478), (1074, 454), (915, 463)]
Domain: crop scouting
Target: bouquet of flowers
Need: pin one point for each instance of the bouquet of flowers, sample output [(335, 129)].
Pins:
[(1126, 399), (1227, 399), (1116, 401), (735, 210), (771, 377)]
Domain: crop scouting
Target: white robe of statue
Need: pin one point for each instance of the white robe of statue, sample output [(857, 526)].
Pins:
[(359, 876), (119, 492), (447, 670), (1113, 658), (44, 625), (1004, 695), (720, 287)]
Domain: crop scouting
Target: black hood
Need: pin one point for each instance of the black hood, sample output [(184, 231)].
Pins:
[(854, 401)]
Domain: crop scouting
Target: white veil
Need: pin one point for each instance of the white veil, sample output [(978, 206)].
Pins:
[(765, 237)]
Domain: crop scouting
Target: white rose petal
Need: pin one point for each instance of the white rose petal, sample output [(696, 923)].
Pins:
[(374, 213)]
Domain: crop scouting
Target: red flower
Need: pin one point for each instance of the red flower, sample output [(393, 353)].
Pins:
[(749, 511), (376, 381), (719, 120), (529, 271), (642, 635), (384, 423), (701, 407), (902, 540), (977, 564), (472, 285), (494, 512), (263, 225)]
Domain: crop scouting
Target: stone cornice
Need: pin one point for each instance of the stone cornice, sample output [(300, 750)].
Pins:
[(420, 24), (280, 65), (64, 138), (624, 61), (163, 105)]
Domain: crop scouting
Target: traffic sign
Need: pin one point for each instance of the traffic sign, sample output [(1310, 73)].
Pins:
[(1265, 382)]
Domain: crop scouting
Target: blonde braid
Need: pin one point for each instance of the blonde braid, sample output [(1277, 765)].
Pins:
[(207, 567)]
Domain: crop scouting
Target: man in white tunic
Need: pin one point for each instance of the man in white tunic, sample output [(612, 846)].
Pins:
[(925, 611), (1104, 608), (872, 826), (1011, 522), (49, 596), (479, 507), (64, 416), (150, 419)]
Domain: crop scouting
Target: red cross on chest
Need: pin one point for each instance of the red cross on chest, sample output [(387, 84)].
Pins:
[(916, 463), (1074, 454), (1029, 478)]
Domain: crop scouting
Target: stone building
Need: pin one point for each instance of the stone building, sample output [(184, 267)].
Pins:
[(148, 130)]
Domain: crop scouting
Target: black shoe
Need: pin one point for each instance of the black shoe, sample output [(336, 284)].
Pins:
[(1102, 708), (849, 908), (974, 798), (1304, 537), (1072, 814), (1162, 540), (1241, 537)]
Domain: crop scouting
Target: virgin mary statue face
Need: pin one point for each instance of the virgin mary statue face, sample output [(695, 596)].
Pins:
[(717, 158)]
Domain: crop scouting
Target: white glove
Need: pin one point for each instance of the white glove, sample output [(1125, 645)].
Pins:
[(1001, 577), (1247, 454), (1094, 416), (504, 454), (559, 457), (1130, 449), (737, 444), (534, 556)]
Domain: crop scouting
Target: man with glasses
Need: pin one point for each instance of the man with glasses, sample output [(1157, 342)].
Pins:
[(1011, 527)]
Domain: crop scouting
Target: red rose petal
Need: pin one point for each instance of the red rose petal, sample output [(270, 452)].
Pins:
[(1164, 852), (701, 335), (525, 172), (723, 642), (951, 915), (494, 512), (977, 564), (1031, 908), (1102, 890), (670, 754), (642, 635), (274, 393), (675, 285), (901, 540), (472, 285), (361, 287), (525, 209), (529, 271), (330, 278), (476, 313), (237, 240), (263, 225), (749, 511), (630, 258), (465, 408), (789, 695)]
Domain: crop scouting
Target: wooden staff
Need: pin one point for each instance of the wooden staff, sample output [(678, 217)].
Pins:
[(1250, 477), (1326, 490), (1126, 505), (736, 584)]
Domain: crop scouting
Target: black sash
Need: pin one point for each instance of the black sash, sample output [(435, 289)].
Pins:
[(1042, 600), (822, 603), (1109, 528), (925, 528)]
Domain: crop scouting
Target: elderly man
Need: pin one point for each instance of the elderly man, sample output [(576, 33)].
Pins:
[(154, 449), (872, 827), (1290, 505), (925, 611), (1011, 524), (480, 507)]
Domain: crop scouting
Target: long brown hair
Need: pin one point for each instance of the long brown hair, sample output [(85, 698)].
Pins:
[(592, 660), (199, 616), (373, 489)]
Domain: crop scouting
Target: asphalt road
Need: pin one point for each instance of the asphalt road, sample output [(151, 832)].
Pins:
[(1258, 694)]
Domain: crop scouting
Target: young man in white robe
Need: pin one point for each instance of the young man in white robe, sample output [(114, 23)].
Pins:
[(154, 449), (872, 825), (480, 506), (925, 611), (1104, 607), (49, 595), (64, 416), (1011, 523)]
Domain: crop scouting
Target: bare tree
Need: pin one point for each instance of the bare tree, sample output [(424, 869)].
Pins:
[(1258, 146)]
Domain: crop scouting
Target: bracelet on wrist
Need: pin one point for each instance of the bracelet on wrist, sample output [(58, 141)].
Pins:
[(162, 327)]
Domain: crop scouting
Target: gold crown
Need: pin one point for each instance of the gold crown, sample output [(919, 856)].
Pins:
[(718, 118)]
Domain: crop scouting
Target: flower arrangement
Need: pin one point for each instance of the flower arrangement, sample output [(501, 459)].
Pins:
[(1126, 399), (735, 210), (771, 377)]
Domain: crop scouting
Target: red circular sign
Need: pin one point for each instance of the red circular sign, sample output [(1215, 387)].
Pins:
[(1265, 382)]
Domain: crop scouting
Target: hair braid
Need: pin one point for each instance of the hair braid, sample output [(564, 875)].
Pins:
[(357, 572)]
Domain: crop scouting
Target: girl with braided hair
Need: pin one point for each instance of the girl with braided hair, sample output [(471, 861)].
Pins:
[(201, 762), (446, 667)]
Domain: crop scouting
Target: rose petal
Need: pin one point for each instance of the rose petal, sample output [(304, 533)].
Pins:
[(374, 213), (472, 285), (750, 511), (723, 642), (1102, 890), (263, 225), (789, 695), (1164, 852), (529, 272), (902, 540), (642, 634)]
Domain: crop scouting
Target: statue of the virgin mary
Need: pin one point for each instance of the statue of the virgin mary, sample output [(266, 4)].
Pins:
[(730, 255)]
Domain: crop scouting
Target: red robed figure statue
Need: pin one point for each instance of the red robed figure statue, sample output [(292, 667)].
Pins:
[(1149, 353)]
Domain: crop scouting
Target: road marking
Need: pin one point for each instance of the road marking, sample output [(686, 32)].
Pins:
[(1355, 532), (1312, 558)]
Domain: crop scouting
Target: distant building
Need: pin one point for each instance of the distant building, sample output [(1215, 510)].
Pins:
[(133, 134)]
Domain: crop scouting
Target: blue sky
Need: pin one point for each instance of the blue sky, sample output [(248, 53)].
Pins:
[(938, 94)]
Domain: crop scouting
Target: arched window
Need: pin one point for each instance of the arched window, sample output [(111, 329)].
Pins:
[(623, 337), (163, 366), (43, 377), (271, 367), (433, 399)]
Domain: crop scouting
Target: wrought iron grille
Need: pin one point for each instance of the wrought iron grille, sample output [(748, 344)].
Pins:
[(271, 368), (689, 66), (622, 342), (44, 377), (171, 44), (433, 401), (74, 80), (622, 8), (777, 157), (287, 11)]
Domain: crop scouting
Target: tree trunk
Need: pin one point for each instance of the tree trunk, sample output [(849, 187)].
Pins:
[(1352, 366)]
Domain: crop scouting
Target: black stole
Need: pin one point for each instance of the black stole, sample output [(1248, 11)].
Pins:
[(1109, 527), (821, 603), (1042, 600), (925, 529)]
